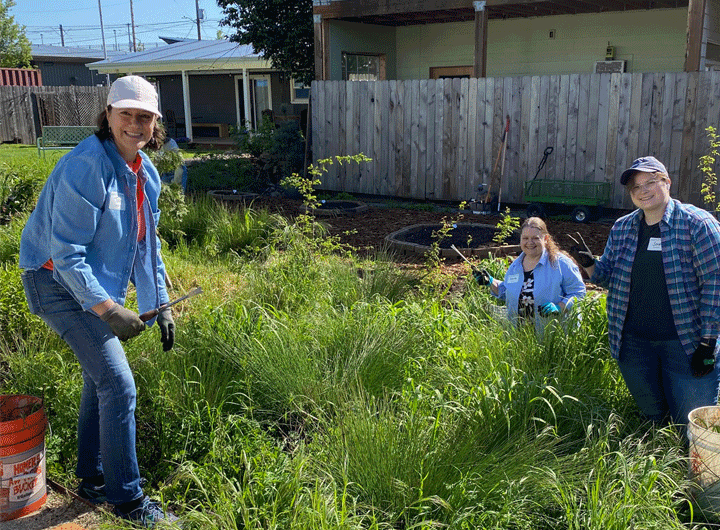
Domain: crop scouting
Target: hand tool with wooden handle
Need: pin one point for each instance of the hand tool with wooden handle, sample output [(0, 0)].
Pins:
[(153, 312)]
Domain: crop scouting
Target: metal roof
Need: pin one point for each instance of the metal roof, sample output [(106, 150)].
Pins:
[(193, 55), (47, 51)]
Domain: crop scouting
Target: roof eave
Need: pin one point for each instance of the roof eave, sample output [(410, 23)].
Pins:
[(179, 66)]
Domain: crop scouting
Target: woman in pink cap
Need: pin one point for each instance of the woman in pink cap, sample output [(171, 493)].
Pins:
[(92, 232)]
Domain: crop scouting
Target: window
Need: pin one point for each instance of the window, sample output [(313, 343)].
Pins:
[(299, 92), (362, 67)]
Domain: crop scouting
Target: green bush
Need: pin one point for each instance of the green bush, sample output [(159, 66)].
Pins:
[(220, 172)]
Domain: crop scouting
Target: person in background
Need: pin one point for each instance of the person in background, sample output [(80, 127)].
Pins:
[(542, 281), (660, 267), (93, 231)]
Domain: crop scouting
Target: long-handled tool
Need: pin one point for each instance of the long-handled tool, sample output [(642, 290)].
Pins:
[(503, 143), (153, 312), (473, 267), (502, 165)]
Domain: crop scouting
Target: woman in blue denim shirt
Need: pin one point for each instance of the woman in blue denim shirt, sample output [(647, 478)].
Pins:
[(93, 231), (542, 282)]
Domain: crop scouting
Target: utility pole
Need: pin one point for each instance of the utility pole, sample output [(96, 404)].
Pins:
[(115, 33), (102, 32), (129, 39), (62, 37), (197, 17), (132, 20)]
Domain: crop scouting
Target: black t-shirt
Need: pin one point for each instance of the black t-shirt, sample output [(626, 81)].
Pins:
[(649, 314), (526, 299)]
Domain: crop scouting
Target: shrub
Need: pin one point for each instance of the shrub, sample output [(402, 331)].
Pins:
[(218, 172)]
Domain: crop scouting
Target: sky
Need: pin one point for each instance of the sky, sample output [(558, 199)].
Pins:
[(80, 20)]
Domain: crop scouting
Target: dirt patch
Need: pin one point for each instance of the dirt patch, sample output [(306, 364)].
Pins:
[(366, 231), (60, 508)]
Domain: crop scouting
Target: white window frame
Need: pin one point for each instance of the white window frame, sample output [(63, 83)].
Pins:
[(294, 85)]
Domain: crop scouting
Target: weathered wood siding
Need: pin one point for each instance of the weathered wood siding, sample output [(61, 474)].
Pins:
[(24, 110), (439, 139)]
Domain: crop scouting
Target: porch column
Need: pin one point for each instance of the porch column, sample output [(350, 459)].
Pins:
[(186, 104), (481, 30), (693, 51), (319, 48), (246, 97)]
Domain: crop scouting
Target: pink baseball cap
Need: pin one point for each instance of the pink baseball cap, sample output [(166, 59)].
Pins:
[(133, 92)]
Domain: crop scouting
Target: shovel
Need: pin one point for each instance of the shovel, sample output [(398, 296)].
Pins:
[(153, 312)]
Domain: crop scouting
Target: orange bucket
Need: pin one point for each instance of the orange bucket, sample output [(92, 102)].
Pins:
[(23, 487)]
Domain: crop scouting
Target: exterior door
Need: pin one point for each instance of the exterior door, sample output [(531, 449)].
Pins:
[(260, 99)]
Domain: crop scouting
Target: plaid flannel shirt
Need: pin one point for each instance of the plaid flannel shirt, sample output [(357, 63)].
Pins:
[(690, 239)]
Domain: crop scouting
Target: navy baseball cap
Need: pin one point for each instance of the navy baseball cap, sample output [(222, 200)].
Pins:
[(649, 164)]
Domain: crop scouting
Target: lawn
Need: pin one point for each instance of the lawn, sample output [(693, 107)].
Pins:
[(312, 389)]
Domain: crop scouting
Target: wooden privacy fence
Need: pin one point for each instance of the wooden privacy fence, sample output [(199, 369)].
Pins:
[(439, 139), (24, 110)]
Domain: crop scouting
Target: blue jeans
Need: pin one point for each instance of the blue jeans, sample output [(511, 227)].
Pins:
[(106, 424), (659, 377)]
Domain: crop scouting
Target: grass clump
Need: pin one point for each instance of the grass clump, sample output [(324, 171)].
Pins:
[(309, 389)]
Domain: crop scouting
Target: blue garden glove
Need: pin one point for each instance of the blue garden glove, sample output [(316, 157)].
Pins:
[(548, 310), (703, 359), (167, 329), (482, 277)]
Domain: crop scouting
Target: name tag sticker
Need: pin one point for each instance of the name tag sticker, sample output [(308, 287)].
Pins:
[(513, 278), (116, 201), (654, 244)]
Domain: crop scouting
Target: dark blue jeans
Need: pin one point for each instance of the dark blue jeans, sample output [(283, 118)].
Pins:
[(659, 377), (106, 424)]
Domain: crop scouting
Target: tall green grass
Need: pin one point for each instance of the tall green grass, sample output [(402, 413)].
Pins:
[(309, 389)]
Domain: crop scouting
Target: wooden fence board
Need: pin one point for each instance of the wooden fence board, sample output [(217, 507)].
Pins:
[(439, 139), (583, 123), (554, 160), (590, 169)]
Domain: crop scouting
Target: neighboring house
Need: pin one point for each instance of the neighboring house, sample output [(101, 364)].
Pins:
[(67, 66), (426, 88), (212, 84), (429, 39)]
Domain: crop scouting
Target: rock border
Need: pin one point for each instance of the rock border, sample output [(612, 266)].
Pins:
[(334, 212)]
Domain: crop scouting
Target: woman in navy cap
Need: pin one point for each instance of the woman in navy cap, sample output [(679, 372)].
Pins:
[(660, 267), (93, 231)]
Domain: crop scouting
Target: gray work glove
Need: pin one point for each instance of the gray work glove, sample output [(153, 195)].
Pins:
[(125, 324), (167, 328)]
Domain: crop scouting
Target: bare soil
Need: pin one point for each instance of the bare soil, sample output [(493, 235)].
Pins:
[(366, 230)]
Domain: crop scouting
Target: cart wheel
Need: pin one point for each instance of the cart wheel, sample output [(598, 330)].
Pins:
[(581, 214), (535, 210)]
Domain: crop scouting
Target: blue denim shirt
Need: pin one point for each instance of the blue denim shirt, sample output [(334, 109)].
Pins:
[(690, 246), (86, 221), (556, 283)]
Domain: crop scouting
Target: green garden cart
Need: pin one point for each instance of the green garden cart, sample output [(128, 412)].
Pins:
[(583, 198)]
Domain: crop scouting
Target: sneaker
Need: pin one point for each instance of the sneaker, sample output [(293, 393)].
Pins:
[(92, 493), (148, 514)]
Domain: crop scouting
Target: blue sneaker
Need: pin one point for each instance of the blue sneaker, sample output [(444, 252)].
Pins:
[(92, 493), (149, 514)]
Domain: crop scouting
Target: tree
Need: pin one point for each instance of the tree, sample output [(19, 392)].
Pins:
[(15, 51), (281, 31)]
